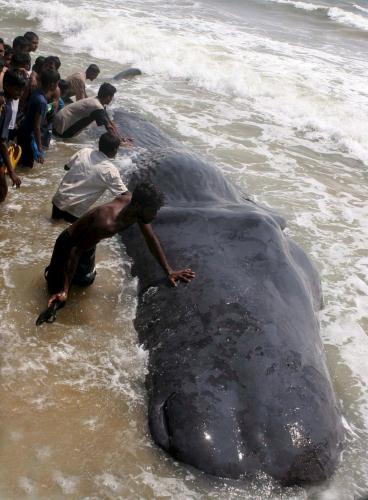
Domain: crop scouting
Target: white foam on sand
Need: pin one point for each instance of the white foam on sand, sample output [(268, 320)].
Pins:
[(67, 483), (27, 485)]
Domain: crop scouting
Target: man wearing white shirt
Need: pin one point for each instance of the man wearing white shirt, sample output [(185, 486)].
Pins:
[(90, 174)]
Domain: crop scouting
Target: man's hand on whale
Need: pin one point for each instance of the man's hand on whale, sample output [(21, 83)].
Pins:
[(78, 240), (185, 275), (126, 141), (154, 245)]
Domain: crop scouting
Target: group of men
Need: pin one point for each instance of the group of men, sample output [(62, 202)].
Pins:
[(37, 103)]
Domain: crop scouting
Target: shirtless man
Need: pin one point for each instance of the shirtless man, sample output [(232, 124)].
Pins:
[(77, 82), (72, 260)]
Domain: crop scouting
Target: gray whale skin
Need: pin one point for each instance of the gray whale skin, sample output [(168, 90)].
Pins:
[(237, 380)]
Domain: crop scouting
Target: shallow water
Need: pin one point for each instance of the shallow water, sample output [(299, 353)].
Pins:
[(276, 95)]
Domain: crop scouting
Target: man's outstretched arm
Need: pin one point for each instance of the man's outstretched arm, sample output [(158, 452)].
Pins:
[(112, 128), (157, 251)]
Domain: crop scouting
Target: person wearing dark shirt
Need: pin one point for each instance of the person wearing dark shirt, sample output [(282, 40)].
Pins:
[(29, 135), (14, 85)]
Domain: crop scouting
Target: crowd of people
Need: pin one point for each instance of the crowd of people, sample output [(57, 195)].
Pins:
[(35, 105)]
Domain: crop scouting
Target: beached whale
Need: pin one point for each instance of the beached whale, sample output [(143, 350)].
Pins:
[(237, 379)]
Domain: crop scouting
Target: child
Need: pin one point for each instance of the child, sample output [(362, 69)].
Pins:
[(32, 39), (64, 90), (36, 70), (55, 104), (21, 63), (29, 135), (14, 84), (8, 54)]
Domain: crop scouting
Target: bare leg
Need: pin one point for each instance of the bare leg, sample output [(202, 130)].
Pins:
[(3, 184)]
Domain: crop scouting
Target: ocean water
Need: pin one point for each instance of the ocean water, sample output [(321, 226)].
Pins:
[(273, 91)]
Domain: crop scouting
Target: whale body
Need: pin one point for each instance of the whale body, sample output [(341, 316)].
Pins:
[(237, 380)]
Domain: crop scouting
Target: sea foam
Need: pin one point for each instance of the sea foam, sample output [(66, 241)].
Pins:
[(336, 14), (305, 89), (348, 18)]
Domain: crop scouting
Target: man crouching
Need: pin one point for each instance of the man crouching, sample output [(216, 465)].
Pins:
[(73, 258)]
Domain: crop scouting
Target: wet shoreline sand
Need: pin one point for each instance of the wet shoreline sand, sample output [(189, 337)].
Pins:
[(62, 383)]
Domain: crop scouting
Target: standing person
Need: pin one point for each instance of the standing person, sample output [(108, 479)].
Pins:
[(3, 66), (75, 117), (77, 82), (52, 63), (64, 89), (20, 44), (33, 40), (21, 62), (90, 174), (14, 84), (7, 58), (8, 55), (36, 71), (3, 70), (29, 135), (72, 260)]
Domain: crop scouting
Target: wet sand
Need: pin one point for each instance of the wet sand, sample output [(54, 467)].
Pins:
[(72, 388)]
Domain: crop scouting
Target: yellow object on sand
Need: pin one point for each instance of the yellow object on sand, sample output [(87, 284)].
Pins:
[(15, 152)]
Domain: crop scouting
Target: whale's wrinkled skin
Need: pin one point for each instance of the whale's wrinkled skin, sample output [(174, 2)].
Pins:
[(237, 380)]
